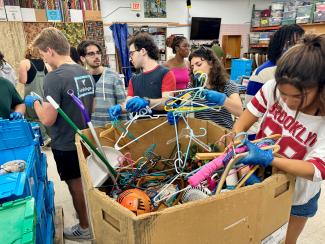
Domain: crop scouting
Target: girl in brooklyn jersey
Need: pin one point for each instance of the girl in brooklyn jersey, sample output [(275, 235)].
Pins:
[(293, 105)]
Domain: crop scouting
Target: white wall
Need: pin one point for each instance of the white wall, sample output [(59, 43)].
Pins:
[(232, 12)]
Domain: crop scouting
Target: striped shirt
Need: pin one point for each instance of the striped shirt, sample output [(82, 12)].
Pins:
[(109, 91), (222, 117)]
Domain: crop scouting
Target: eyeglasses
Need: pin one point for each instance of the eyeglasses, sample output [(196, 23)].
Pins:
[(132, 52), (92, 54)]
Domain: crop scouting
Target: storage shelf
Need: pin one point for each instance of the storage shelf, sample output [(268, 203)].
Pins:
[(265, 28), (258, 46)]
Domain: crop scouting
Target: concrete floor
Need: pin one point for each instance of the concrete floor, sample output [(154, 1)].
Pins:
[(314, 232)]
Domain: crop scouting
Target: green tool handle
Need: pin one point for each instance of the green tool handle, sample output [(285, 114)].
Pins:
[(83, 137)]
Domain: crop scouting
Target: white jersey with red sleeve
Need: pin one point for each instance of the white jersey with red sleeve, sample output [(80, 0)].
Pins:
[(303, 136)]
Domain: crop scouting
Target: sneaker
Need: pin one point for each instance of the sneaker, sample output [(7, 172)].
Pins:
[(77, 233)]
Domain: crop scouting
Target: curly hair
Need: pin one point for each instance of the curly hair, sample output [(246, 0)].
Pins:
[(174, 41), (218, 76), (144, 40), (82, 47), (32, 52)]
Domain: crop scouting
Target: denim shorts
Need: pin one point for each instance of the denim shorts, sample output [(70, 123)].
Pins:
[(308, 209)]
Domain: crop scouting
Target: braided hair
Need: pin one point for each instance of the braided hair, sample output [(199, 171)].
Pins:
[(282, 39)]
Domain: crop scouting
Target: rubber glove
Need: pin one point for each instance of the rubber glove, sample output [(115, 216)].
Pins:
[(135, 104), (16, 116), (257, 156), (171, 119), (214, 97), (115, 111), (253, 179), (29, 100)]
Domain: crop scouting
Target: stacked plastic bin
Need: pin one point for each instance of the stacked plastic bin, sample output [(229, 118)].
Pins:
[(20, 140), (240, 67)]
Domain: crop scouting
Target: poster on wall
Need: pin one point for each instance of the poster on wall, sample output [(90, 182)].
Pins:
[(155, 9)]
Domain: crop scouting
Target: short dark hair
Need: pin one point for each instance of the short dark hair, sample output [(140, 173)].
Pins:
[(174, 41), (144, 40), (302, 66), (82, 47), (282, 39), (218, 76), (74, 55)]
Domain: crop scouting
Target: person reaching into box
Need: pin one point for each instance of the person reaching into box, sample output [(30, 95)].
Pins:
[(152, 86), (220, 90), (293, 105), (281, 41)]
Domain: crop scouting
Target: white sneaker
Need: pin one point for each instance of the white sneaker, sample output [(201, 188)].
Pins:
[(77, 233)]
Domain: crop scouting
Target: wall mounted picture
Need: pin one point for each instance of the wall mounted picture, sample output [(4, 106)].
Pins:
[(155, 9)]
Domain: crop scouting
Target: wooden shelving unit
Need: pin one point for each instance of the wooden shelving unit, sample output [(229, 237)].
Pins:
[(265, 28), (231, 45)]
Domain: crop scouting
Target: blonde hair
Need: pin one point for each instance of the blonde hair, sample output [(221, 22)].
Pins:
[(52, 38), (32, 52)]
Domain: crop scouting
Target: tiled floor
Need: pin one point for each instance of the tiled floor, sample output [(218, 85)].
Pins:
[(314, 232)]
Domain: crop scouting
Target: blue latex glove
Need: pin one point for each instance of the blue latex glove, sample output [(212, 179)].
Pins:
[(257, 156), (214, 97), (253, 179), (115, 111), (29, 100), (135, 104), (171, 119), (16, 116)]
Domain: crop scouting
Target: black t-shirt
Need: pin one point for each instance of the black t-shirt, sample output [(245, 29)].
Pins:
[(56, 85), (97, 77)]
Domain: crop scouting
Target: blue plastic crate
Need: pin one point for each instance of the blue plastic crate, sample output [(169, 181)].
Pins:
[(49, 199), (15, 134), (42, 168), (19, 184), (240, 67), (41, 214), (37, 132), (50, 230)]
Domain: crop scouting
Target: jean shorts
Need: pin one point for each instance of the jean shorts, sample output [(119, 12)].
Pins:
[(308, 209)]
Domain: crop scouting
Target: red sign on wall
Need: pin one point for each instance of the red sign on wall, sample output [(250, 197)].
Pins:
[(135, 6)]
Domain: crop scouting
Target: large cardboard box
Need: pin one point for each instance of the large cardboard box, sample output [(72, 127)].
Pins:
[(254, 214)]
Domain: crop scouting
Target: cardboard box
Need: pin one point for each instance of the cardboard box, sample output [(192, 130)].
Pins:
[(251, 214), (93, 15)]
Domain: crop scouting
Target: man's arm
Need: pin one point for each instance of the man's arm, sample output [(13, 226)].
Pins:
[(160, 102), (45, 112)]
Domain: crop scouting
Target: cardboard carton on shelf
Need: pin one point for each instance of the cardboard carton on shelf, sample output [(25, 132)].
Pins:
[(93, 15), (251, 214)]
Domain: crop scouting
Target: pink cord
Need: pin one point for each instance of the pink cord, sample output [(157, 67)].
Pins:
[(207, 170)]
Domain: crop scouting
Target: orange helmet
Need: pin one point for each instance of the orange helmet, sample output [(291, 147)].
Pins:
[(135, 200)]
